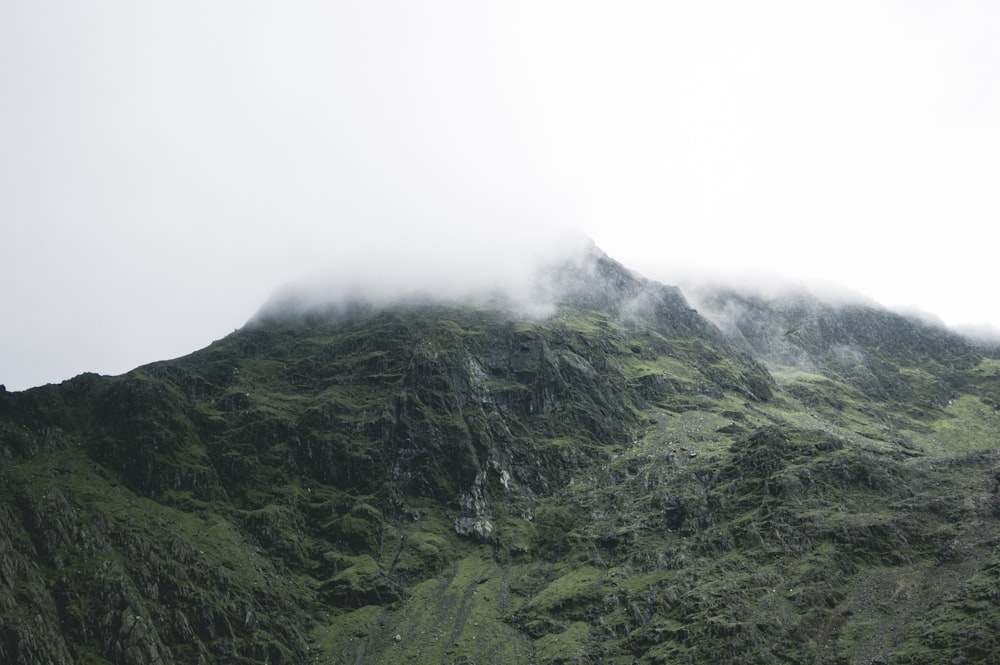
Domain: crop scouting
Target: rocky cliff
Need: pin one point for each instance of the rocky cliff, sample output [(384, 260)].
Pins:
[(616, 480)]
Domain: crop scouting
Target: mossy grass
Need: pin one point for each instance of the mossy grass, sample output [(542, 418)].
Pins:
[(640, 489)]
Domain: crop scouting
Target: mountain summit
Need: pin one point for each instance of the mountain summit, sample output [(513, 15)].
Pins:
[(582, 469)]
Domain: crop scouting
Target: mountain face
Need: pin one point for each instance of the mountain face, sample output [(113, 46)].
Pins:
[(619, 480)]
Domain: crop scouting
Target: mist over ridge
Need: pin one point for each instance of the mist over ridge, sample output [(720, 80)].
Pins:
[(175, 168), (514, 271), (529, 274)]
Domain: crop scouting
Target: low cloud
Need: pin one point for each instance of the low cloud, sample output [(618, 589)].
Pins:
[(497, 267)]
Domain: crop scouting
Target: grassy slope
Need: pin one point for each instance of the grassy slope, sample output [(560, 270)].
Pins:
[(293, 494)]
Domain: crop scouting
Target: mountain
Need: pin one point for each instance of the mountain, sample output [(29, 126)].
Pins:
[(614, 477)]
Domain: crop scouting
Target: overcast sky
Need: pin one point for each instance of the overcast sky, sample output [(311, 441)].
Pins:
[(165, 166)]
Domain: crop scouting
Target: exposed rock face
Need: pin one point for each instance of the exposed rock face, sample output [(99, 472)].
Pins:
[(616, 481)]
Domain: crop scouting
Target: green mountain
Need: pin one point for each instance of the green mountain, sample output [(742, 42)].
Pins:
[(619, 479)]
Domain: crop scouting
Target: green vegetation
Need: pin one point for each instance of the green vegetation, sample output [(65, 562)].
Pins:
[(448, 483)]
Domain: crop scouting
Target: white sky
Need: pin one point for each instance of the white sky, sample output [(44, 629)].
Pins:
[(164, 166)]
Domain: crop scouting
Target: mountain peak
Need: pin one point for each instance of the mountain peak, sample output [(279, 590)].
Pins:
[(502, 273), (335, 487), (532, 281)]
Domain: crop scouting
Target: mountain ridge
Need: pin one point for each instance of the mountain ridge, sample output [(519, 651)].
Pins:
[(620, 480)]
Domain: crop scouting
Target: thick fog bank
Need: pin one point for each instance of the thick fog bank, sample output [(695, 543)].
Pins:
[(513, 271)]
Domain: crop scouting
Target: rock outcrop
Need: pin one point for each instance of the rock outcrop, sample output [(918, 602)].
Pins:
[(618, 480)]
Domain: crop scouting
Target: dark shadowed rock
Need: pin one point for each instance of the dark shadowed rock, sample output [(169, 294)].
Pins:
[(608, 478)]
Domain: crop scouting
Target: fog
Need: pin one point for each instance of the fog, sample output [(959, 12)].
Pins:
[(514, 271), (165, 168)]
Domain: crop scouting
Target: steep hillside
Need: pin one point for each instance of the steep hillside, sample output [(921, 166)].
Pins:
[(616, 481)]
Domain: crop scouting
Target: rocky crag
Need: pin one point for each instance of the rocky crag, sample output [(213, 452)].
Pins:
[(617, 481)]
